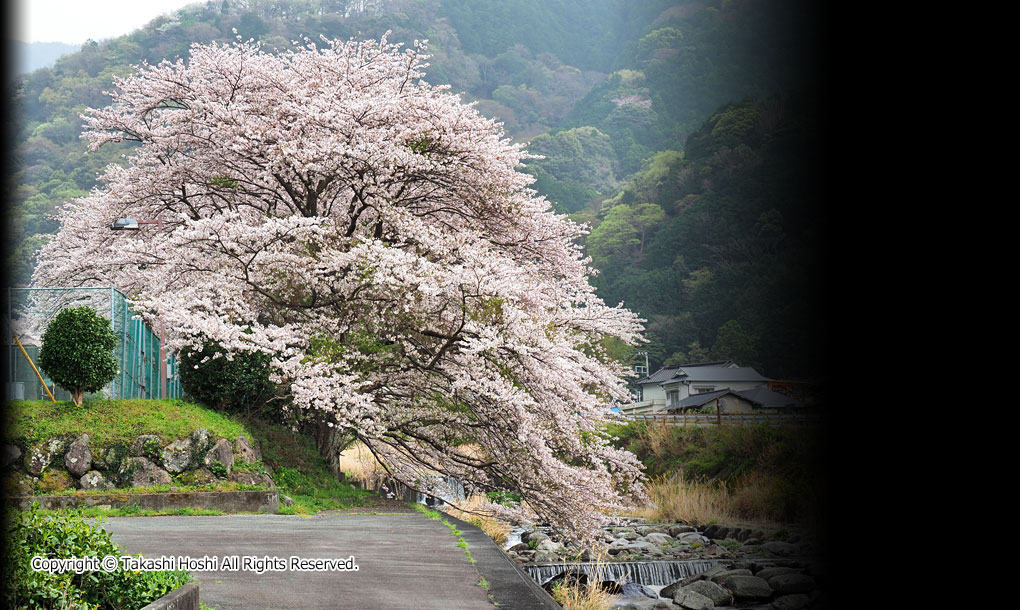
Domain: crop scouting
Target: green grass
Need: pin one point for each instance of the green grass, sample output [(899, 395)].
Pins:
[(301, 473), (154, 489), (134, 510), (110, 422), (437, 516)]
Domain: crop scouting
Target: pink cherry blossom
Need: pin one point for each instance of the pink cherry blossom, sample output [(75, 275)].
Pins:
[(374, 235)]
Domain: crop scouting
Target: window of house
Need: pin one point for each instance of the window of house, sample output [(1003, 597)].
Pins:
[(673, 397), (704, 389)]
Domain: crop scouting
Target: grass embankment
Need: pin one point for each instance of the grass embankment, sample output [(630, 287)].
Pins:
[(289, 458), (729, 474), (111, 422)]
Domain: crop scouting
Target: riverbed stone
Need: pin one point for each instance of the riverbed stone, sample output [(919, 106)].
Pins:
[(724, 573), (545, 557), (746, 587), (659, 538), (678, 529), (767, 573), (634, 589), (222, 452), (642, 603), (780, 548), (796, 601), (792, 583), (94, 479), (693, 538), (140, 472), (549, 546), (177, 456), (692, 600), (711, 590), (78, 459)]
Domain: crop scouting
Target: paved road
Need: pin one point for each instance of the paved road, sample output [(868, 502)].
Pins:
[(405, 560)]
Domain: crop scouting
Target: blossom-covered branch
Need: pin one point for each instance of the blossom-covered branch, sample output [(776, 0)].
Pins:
[(375, 236)]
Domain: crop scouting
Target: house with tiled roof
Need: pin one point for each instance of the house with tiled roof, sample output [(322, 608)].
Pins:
[(668, 386)]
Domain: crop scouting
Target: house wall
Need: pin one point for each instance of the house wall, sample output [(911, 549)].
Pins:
[(687, 389), (652, 391)]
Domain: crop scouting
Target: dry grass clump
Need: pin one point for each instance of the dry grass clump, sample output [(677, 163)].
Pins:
[(675, 498), (493, 528), (360, 466), (590, 595)]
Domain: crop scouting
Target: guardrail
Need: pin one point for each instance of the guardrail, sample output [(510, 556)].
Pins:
[(738, 419)]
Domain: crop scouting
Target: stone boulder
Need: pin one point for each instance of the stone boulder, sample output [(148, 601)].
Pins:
[(797, 601), (692, 600), (201, 440), (39, 458), (634, 589), (243, 450), (746, 587), (12, 453), (146, 445), (140, 472), (660, 539), (711, 590), (78, 459), (769, 572), (221, 453), (94, 480), (792, 583), (780, 548), (177, 456)]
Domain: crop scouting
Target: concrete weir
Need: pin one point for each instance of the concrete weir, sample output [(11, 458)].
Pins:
[(403, 559)]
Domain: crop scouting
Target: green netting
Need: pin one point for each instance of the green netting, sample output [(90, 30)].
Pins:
[(145, 372)]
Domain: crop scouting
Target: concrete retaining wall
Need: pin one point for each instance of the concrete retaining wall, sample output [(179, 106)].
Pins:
[(267, 501), (181, 598)]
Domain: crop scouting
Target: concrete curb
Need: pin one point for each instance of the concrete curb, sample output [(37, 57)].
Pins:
[(509, 585), (182, 598), (267, 501)]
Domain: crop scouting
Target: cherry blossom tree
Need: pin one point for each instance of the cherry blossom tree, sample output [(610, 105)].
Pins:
[(373, 234)]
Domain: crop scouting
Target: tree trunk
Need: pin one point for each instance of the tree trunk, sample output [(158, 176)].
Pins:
[(77, 396)]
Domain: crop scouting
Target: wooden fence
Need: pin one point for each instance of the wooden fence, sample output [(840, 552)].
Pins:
[(736, 419)]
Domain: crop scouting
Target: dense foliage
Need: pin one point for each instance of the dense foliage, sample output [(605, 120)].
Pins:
[(77, 351), (67, 535), (236, 383)]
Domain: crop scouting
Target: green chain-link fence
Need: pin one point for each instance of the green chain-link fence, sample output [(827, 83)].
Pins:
[(144, 371)]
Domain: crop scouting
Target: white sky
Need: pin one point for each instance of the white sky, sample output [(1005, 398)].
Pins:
[(75, 21)]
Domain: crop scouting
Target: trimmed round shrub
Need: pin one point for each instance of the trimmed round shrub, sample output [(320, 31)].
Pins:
[(239, 385), (77, 351)]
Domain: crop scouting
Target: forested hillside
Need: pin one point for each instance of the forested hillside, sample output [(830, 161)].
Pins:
[(685, 132)]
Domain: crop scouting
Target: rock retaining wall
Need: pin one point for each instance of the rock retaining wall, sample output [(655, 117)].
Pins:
[(59, 464)]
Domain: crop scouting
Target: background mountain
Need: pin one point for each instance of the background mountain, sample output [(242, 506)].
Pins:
[(687, 133), (28, 56)]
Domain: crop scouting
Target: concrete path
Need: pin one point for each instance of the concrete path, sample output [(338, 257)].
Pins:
[(404, 560)]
